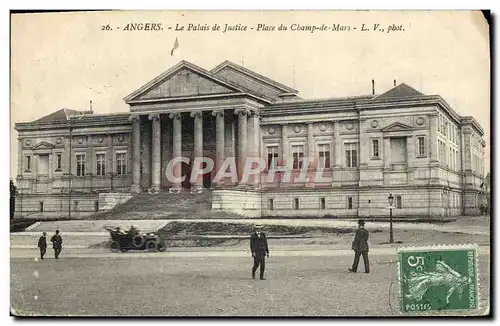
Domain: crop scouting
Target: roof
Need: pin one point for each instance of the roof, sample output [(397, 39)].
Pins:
[(235, 86), (58, 116), (402, 90), (248, 72)]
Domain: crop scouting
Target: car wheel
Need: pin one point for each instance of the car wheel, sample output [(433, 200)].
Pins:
[(115, 246), (152, 246), (138, 241)]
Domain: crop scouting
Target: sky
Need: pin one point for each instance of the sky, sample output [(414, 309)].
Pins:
[(64, 60)]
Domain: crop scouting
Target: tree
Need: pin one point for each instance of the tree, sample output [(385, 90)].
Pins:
[(487, 189), (13, 193)]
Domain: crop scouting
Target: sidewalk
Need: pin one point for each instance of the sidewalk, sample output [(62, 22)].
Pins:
[(153, 225), (95, 253)]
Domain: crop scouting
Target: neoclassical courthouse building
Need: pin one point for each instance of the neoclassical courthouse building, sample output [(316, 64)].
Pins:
[(401, 142)]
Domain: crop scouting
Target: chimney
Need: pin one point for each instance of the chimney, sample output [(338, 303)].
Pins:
[(394, 82), (373, 87), (91, 112)]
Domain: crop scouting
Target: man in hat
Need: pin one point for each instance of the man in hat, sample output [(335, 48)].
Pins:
[(360, 247), (259, 248), (42, 244), (56, 243)]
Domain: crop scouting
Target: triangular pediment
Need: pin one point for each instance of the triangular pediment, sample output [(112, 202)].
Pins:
[(397, 126), (183, 80), (44, 145)]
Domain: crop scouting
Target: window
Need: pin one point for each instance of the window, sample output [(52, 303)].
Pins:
[(421, 146), (96, 205), (272, 157), (28, 163), (351, 155), (398, 202), (322, 203), (58, 162), (298, 156), (324, 156), (121, 163), (80, 165), (349, 202), (375, 148), (296, 203), (271, 204), (75, 206), (41, 206), (101, 164)]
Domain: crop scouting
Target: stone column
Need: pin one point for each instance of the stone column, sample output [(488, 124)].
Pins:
[(177, 149), (20, 154), (166, 148), (251, 145), (256, 141), (219, 138), (311, 146), (242, 141), (387, 152), (89, 164), (467, 150), (284, 144), (337, 156), (146, 141), (338, 145), (156, 153), (109, 160), (197, 186), (410, 151), (136, 154), (433, 145)]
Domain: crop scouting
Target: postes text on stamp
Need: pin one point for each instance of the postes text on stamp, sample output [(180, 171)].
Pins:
[(438, 278)]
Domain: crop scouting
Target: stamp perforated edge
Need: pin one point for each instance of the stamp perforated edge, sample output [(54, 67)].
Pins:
[(439, 247)]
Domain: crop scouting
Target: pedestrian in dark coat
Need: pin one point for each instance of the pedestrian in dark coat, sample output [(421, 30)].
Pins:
[(56, 243), (360, 247), (260, 249), (42, 245)]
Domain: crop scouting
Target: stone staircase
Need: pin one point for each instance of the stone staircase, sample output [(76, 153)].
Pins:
[(164, 205)]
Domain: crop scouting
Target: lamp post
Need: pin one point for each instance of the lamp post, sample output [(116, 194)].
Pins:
[(391, 234)]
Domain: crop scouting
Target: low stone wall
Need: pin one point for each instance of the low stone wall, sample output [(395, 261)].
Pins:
[(334, 202), (109, 200), (242, 202)]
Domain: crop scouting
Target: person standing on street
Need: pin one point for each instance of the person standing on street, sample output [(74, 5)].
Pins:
[(57, 243), (42, 245), (360, 247), (259, 248)]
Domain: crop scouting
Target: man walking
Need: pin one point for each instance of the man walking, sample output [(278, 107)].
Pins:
[(360, 247), (259, 248), (56, 243), (42, 245)]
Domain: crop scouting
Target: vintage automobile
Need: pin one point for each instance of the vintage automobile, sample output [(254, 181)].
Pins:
[(134, 240)]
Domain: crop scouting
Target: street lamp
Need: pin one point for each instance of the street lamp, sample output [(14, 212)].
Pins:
[(391, 234)]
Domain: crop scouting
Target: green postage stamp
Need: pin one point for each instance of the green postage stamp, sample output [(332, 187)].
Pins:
[(438, 278)]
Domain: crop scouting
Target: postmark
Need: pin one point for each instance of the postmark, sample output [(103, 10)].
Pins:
[(438, 278)]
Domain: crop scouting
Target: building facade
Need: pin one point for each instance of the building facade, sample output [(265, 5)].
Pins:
[(354, 151)]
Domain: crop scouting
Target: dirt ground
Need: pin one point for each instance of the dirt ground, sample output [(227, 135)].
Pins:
[(315, 236), (211, 286)]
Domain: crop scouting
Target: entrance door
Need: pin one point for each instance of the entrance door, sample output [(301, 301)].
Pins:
[(43, 164), (186, 171), (207, 180)]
